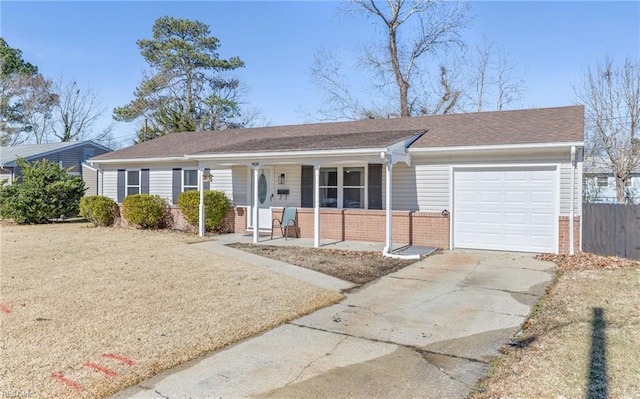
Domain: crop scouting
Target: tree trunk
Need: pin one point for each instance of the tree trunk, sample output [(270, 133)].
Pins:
[(403, 85), (621, 184)]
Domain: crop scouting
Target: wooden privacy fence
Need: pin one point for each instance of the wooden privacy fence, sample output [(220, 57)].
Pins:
[(611, 229)]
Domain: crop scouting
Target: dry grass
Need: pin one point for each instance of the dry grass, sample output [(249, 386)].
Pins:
[(356, 266), (582, 341), (70, 294)]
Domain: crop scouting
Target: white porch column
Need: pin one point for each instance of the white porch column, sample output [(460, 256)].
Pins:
[(389, 225), (316, 206), (201, 205), (256, 168)]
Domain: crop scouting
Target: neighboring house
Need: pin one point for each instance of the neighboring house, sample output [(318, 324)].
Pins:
[(508, 180), (69, 155), (600, 185)]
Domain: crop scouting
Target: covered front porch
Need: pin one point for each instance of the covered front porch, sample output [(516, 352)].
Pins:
[(339, 194)]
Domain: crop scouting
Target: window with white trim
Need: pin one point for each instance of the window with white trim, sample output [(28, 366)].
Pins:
[(189, 179), (329, 187), (343, 187), (133, 182), (353, 187), (602, 181)]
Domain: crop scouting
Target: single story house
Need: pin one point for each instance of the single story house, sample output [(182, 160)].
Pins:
[(69, 155), (599, 184), (508, 180)]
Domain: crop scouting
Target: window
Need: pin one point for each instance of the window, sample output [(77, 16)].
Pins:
[(603, 181), (87, 153), (353, 187), (133, 182), (329, 187), (189, 180), (342, 187)]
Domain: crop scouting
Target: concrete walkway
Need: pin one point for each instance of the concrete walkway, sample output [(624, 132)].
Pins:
[(427, 331)]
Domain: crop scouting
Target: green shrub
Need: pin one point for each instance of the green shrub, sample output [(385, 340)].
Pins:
[(144, 210), (99, 210), (46, 191), (216, 205)]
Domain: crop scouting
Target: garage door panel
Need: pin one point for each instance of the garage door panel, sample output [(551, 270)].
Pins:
[(516, 196), (488, 217), (505, 209), (515, 218), (489, 177)]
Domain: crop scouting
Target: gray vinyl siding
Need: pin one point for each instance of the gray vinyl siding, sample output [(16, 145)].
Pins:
[(293, 177), (90, 177), (160, 182), (239, 184), (420, 187), (223, 181), (70, 158), (565, 188), (110, 183), (432, 178)]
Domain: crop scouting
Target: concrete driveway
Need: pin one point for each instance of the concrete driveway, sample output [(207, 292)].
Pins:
[(427, 331)]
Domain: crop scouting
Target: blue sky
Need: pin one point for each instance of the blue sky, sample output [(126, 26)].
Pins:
[(94, 43)]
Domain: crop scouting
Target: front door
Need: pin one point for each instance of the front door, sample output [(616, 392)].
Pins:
[(265, 197)]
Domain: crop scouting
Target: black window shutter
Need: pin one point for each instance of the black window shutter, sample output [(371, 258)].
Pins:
[(121, 182), (375, 186), (306, 192), (144, 181), (206, 185), (176, 184)]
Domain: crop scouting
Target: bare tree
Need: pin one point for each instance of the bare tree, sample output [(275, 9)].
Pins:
[(76, 112), (612, 100), (432, 25), (398, 62), (493, 77), (36, 101), (338, 102)]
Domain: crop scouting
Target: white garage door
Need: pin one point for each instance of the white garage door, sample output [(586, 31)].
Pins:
[(509, 209)]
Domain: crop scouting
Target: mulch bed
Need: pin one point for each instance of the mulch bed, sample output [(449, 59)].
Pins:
[(358, 267), (588, 261)]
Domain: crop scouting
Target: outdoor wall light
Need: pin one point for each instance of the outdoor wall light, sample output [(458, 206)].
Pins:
[(281, 178), (207, 177)]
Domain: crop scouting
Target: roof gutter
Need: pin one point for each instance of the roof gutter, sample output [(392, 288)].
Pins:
[(137, 160), (285, 154), (526, 146)]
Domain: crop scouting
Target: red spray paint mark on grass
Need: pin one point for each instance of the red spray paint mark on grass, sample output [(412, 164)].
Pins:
[(103, 370), (5, 309), (67, 382), (120, 358)]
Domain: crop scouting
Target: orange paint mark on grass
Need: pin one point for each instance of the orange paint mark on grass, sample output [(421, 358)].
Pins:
[(67, 382), (120, 358), (102, 369)]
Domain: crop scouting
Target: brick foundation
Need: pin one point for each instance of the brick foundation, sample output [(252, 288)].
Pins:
[(416, 228), (563, 234)]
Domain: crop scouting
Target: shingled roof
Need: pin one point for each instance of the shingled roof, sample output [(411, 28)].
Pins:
[(531, 126)]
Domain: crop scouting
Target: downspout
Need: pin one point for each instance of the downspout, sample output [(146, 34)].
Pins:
[(388, 198), (256, 167), (316, 206), (201, 205), (572, 196)]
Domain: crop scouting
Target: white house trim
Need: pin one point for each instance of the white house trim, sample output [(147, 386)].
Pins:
[(139, 160), (500, 147)]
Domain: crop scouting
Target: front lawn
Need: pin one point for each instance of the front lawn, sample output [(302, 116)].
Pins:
[(583, 340), (85, 312)]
